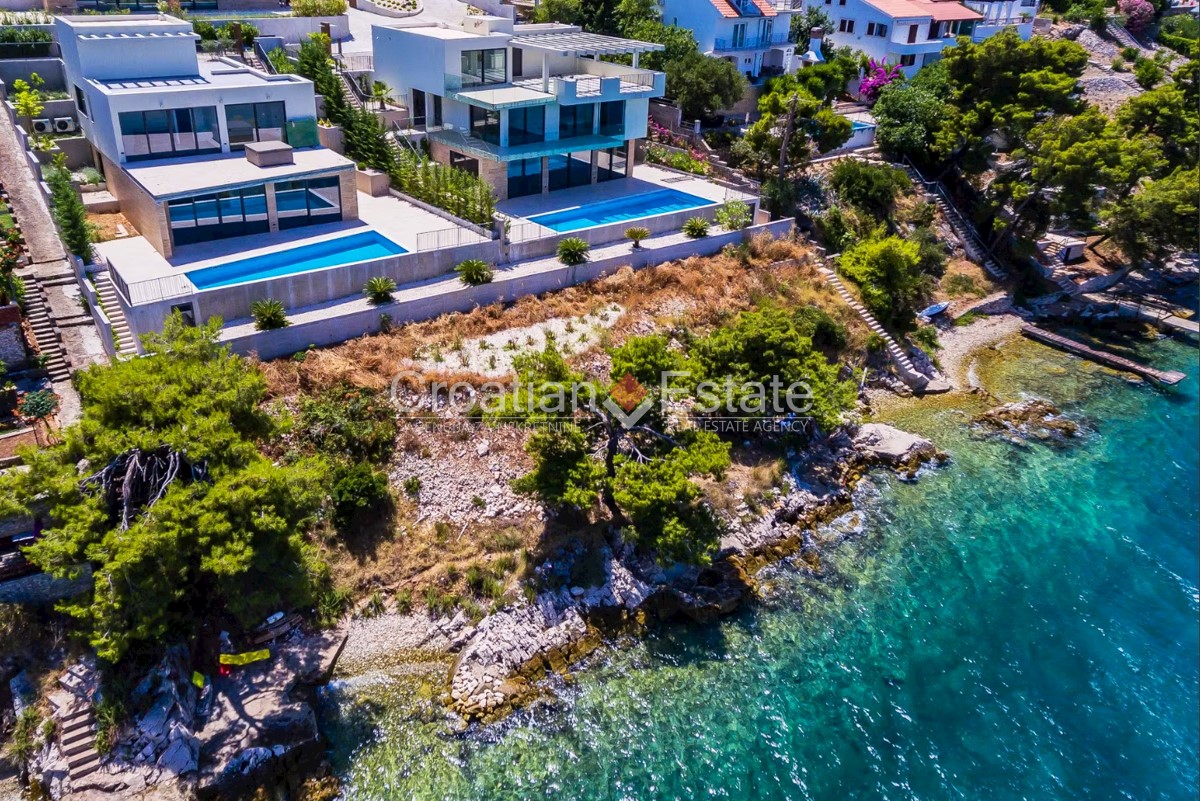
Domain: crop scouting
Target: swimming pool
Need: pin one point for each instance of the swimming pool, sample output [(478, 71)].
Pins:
[(620, 209), (329, 253)]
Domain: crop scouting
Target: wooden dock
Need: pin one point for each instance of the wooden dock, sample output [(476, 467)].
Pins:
[(1168, 377)]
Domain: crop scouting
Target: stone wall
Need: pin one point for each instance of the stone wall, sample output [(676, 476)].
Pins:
[(147, 216), (12, 337), (41, 588)]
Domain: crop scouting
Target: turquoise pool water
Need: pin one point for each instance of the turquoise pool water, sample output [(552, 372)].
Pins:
[(328, 253), (620, 209), (1020, 625)]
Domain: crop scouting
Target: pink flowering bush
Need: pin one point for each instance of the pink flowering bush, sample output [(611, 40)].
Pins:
[(879, 74), (660, 134), (1138, 14)]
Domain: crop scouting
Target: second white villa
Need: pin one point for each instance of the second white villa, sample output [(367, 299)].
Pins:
[(220, 169)]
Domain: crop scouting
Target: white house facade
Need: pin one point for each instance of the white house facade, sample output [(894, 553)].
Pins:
[(197, 149), (528, 108), (753, 34), (913, 33)]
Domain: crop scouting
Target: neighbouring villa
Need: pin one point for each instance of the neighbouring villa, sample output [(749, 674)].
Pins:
[(913, 33), (755, 35), (219, 167)]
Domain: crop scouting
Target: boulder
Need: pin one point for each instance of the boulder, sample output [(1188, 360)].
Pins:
[(883, 443), (1030, 419)]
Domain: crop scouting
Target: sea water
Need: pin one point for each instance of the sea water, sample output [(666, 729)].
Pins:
[(1019, 624)]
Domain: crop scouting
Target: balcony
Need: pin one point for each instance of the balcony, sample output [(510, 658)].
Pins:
[(585, 81), (464, 141), (750, 43)]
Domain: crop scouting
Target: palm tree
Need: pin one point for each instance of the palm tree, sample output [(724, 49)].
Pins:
[(381, 92)]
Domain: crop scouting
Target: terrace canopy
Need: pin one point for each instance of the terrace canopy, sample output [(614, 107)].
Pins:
[(580, 43)]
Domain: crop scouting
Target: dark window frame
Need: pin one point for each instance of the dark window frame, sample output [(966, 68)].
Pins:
[(258, 111), (172, 132)]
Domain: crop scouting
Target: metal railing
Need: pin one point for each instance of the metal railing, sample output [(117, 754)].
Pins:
[(355, 62), (751, 42), (445, 238)]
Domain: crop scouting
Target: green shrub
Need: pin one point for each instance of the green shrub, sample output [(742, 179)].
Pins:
[(636, 234), (926, 336), (1148, 73), (349, 422), (23, 740), (1118, 64), (375, 605), (457, 191), (69, 212), (268, 314), (379, 290), (889, 277), (824, 331), (573, 251), (280, 61), (1130, 53), (696, 228), (318, 8), (357, 488), (869, 187), (412, 486), (735, 215), (474, 272)]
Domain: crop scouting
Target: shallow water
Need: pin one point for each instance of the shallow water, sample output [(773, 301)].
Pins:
[(1021, 624)]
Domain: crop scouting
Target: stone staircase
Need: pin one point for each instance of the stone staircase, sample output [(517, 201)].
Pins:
[(76, 723), (45, 330), (1123, 36), (963, 229), (904, 365), (107, 293)]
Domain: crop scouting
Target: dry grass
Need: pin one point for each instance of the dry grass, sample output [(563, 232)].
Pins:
[(697, 293), (964, 279), (106, 226)]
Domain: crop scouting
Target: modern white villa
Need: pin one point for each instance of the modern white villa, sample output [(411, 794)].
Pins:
[(753, 34), (531, 109), (913, 33), (218, 167)]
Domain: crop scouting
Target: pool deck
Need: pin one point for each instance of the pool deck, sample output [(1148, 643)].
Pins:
[(136, 260), (646, 178)]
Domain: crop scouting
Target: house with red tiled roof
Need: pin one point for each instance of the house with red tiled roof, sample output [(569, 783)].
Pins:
[(913, 33), (753, 34)]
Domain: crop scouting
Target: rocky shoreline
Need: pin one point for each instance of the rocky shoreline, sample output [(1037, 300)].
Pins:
[(501, 660)]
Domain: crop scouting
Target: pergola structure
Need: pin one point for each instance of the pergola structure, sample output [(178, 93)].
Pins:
[(581, 43)]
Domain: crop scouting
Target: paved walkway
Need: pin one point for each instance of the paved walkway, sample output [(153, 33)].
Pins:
[(41, 237)]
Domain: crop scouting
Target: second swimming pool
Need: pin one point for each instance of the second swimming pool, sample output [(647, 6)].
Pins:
[(328, 253), (620, 209)]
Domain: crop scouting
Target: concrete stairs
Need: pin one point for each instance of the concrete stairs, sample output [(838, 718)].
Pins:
[(963, 229), (45, 330), (122, 336), (1124, 37), (76, 722), (351, 92), (907, 371)]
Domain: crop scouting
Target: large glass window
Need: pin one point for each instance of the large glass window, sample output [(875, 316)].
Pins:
[(154, 134), (464, 163), (612, 118), (485, 124), (610, 164), (203, 218), (576, 120), (484, 66), (524, 177), (573, 169), (526, 125), (311, 202), (255, 122)]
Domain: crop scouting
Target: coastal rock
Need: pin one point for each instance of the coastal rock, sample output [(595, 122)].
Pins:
[(1031, 419), (891, 446)]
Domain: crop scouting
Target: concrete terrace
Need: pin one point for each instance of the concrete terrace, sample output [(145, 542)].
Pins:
[(646, 178), (409, 226)]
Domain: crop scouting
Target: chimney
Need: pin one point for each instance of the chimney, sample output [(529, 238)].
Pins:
[(815, 37)]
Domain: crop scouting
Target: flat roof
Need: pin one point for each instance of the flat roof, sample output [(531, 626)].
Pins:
[(504, 96), (190, 175), (938, 10), (210, 73), (581, 43)]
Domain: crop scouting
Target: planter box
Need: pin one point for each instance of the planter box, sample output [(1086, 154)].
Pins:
[(372, 182), (332, 137)]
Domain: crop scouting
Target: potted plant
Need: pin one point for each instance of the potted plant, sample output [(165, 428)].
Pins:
[(636, 234)]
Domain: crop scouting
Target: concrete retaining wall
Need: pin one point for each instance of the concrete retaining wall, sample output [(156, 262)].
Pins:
[(50, 70), (454, 296), (293, 30)]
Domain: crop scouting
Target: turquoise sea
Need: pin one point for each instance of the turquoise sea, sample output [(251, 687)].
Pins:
[(1023, 623)]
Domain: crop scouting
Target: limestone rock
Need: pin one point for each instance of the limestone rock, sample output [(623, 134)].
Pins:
[(880, 442)]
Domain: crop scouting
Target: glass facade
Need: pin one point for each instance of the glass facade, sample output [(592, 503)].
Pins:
[(485, 124), (576, 120), (524, 177), (612, 118), (167, 132), (571, 169), (202, 218), (255, 122), (611, 163), (526, 125), (311, 202), (484, 66), (240, 212)]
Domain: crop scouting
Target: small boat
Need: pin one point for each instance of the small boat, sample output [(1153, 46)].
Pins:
[(934, 310)]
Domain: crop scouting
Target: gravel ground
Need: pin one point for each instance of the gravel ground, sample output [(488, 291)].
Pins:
[(960, 343)]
